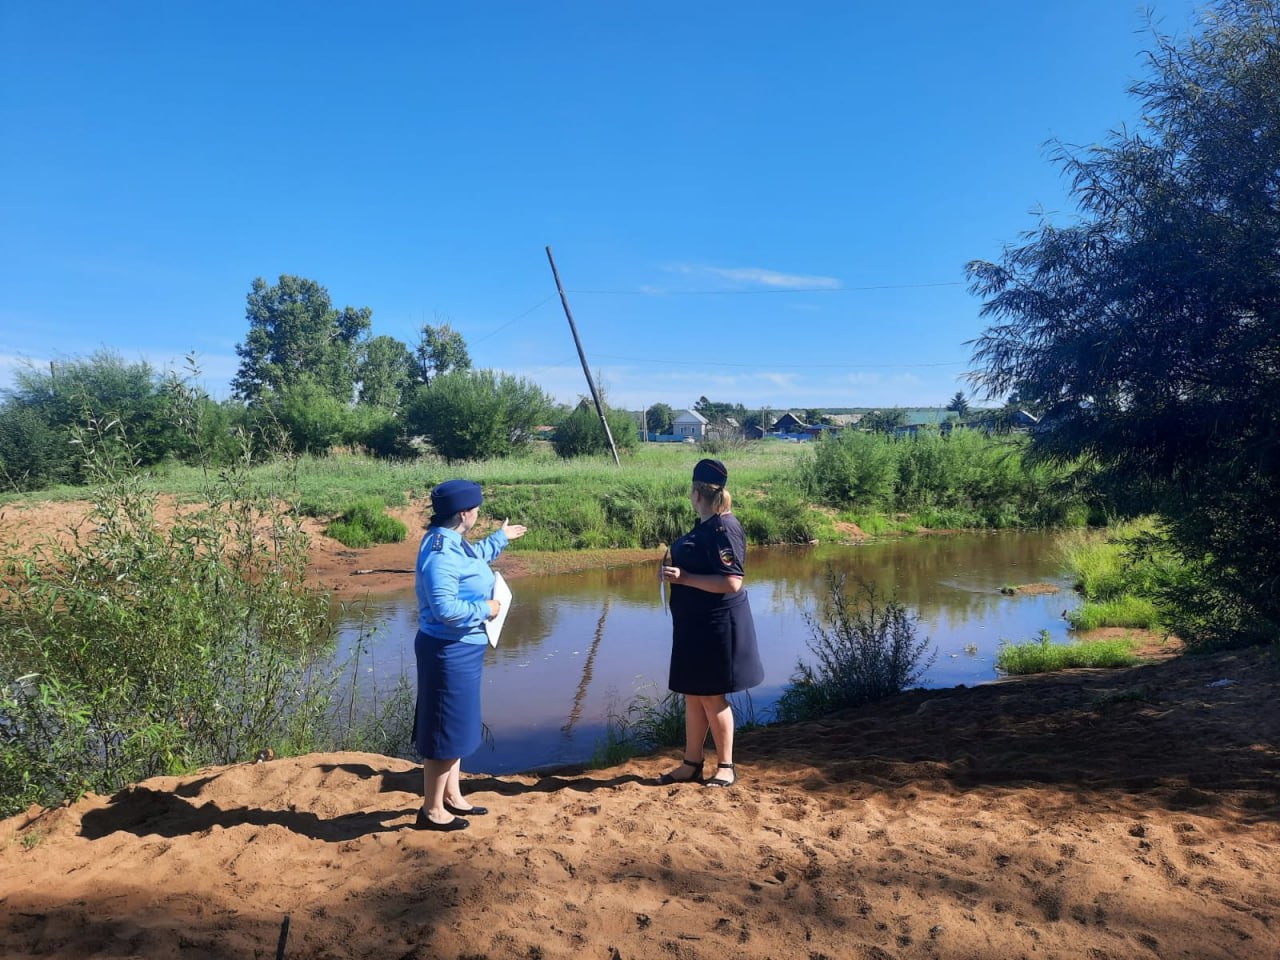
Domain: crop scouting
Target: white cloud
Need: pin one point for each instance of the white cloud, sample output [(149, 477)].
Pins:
[(760, 276)]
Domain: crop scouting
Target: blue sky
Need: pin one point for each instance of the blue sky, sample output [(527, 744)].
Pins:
[(762, 203)]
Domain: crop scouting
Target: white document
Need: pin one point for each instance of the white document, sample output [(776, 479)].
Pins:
[(662, 584), (501, 593)]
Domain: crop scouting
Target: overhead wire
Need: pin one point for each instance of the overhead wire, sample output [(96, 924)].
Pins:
[(714, 363), (491, 333)]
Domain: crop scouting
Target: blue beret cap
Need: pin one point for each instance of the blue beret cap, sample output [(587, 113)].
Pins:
[(454, 496), (711, 471)]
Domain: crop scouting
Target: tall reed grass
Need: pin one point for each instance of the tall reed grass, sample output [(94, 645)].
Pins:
[(1123, 572)]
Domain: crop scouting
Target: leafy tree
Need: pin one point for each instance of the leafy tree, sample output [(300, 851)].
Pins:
[(477, 414), (718, 412), (33, 453), (440, 350), (959, 404), (46, 406), (814, 416), (884, 421), (313, 419), (762, 418), (660, 419), (1147, 331), (294, 331), (386, 370), (580, 433)]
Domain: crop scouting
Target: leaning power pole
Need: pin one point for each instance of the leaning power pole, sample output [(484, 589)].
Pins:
[(595, 394)]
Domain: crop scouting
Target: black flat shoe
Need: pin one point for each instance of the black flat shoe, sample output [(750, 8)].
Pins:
[(426, 823), (470, 812)]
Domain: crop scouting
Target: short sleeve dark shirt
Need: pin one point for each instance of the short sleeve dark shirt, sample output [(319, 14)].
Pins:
[(716, 546)]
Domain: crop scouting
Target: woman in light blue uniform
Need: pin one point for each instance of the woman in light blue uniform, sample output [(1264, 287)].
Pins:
[(455, 590)]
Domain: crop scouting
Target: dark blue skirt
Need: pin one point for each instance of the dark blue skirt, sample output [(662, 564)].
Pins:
[(714, 650), (448, 714)]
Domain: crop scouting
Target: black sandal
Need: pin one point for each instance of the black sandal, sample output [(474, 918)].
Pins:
[(720, 781), (669, 778)]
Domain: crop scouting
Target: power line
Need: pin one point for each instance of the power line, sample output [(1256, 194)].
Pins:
[(514, 319)]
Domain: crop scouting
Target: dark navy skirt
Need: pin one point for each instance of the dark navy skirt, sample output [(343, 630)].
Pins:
[(714, 651), (448, 714)]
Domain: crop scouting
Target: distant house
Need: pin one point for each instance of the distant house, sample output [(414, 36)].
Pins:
[(788, 423), (690, 424), (843, 421), (816, 430), (754, 432)]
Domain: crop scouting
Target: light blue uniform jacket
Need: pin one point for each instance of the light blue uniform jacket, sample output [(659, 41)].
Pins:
[(453, 582)]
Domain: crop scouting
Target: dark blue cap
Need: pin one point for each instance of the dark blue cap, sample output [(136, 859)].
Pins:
[(454, 496), (711, 471)]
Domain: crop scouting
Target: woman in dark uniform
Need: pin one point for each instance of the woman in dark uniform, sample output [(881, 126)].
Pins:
[(713, 643)]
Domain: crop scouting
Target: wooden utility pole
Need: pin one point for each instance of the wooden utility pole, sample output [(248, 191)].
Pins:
[(595, 395)]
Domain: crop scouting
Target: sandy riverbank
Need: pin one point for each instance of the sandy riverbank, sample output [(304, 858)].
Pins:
[(1123, 814)]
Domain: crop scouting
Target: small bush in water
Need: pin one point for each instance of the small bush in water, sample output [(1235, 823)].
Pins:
[(864, 650)]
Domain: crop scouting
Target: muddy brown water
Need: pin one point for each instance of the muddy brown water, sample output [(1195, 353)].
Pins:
[(578, 646)]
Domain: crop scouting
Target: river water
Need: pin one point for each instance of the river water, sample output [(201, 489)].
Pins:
[(576, 646)]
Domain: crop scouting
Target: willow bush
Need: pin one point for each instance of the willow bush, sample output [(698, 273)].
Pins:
[(864, 648), (151, 646), (961, 479)]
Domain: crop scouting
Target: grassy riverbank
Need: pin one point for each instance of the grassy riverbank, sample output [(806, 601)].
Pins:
[(783, 492)]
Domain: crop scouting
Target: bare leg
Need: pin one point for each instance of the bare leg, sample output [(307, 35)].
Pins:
[(695, 728), (453, 788), (436, 775), (695, 738), (719, 717)]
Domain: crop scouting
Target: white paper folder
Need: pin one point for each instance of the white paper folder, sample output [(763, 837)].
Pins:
[(501, 593)]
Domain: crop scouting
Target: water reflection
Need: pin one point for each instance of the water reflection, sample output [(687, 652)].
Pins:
[(577, 645)]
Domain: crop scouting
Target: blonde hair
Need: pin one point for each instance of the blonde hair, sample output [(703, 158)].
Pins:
[(715, 495)]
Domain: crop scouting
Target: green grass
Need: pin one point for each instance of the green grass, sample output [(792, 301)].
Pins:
[(1135, 613), (365, 523), (649, 723), (1123, 572), (591, 503), (32, 839), (1044, 656)]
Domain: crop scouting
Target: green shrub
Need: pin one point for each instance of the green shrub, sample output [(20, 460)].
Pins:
[(476, 414), (865, 650), (365, 523), (580, 434), (148, 648)]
